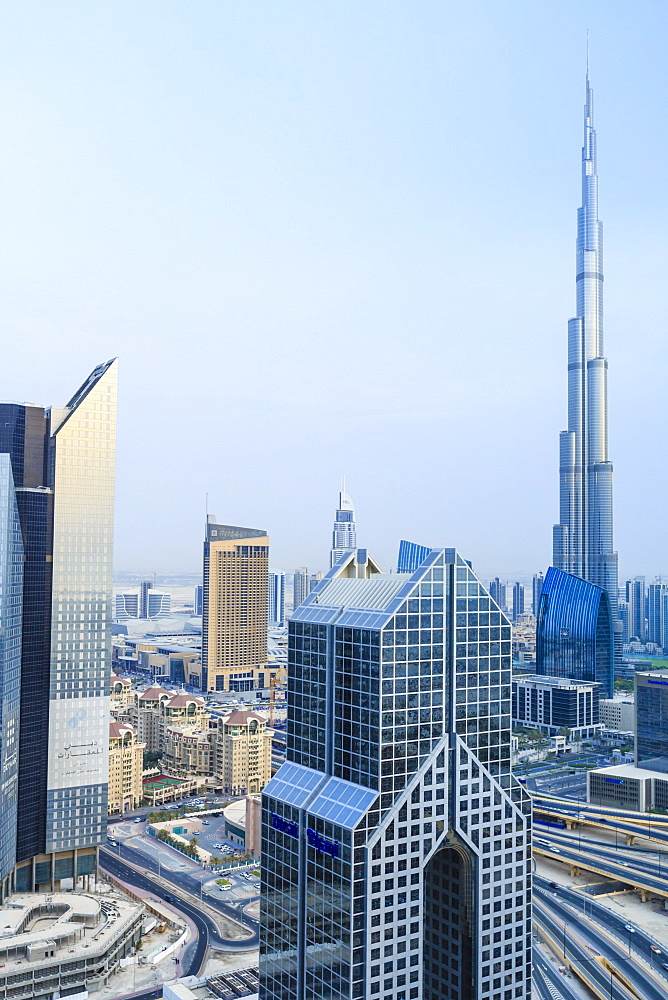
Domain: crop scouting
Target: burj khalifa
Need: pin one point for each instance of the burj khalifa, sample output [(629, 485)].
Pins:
[(583, 538)]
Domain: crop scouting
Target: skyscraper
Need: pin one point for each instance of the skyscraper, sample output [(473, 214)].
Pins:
[(518, 600), (636, 597), (582, 541), (235, 607), (343, 536), (497, 591), (62, 463), (536, 587), (145, 587), (301, 586), (395, 841), (11, 609), (655, 619), (276, 597)]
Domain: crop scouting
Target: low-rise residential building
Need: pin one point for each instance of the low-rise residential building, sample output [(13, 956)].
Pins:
[(243, 753), (126, 762), (551, 704)]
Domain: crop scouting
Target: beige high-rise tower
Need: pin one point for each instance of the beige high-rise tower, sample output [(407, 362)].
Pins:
[(235, 607)]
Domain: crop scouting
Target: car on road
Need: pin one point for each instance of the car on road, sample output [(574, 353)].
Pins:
[(631, 930), (554, 885), (657, 951), (138, 819)]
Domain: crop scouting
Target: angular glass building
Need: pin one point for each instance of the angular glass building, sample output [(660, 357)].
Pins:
[(395, 841), (62, 463), (574, 631)]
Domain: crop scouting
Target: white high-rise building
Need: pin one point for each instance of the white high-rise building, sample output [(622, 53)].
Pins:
[(276, 597), (344, 536)]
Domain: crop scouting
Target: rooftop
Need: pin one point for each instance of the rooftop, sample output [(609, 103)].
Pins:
[(36, 927)]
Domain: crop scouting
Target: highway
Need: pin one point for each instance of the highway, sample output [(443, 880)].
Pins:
[(592, 953), (547, 982), (184, 881), (637, 940), (627, 857), (194, 956), (580, 855)]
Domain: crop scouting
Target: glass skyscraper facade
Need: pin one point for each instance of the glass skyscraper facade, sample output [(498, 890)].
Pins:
[(395, 841), (11, 610), (651, 709), (344, 536), (583, 543), (574, 631), (62, 463)]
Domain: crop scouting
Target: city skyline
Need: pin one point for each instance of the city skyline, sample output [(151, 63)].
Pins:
[(337, 247)]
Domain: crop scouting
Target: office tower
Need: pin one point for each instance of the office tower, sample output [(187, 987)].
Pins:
[(636, 597), (664, 620), (234, 620), (623, 616), (11, 610), (655, 593), (197, 603), (518, 600), (497, 592), (126, 606), (395, 841), (536, 587), (555, 703), (63, 468), (300, 586), (574, 631), (144, 588), (651, 708), (276, 597), (314, 580), (583, 543), (344, 535)]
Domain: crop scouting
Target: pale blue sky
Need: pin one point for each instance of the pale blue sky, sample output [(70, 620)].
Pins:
[(337, 237)]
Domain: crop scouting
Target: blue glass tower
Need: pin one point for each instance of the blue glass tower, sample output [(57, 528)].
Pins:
[(574, 631), (396, 851), (11, 610), (582, 541)]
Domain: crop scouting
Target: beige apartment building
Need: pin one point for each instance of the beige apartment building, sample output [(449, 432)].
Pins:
[(188, 751), (235, 608), (243, 753), (121, 693), (126, 764), (155, 709)]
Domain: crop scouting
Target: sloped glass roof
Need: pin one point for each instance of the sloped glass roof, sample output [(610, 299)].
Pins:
[(342, 802), (294, 784)]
